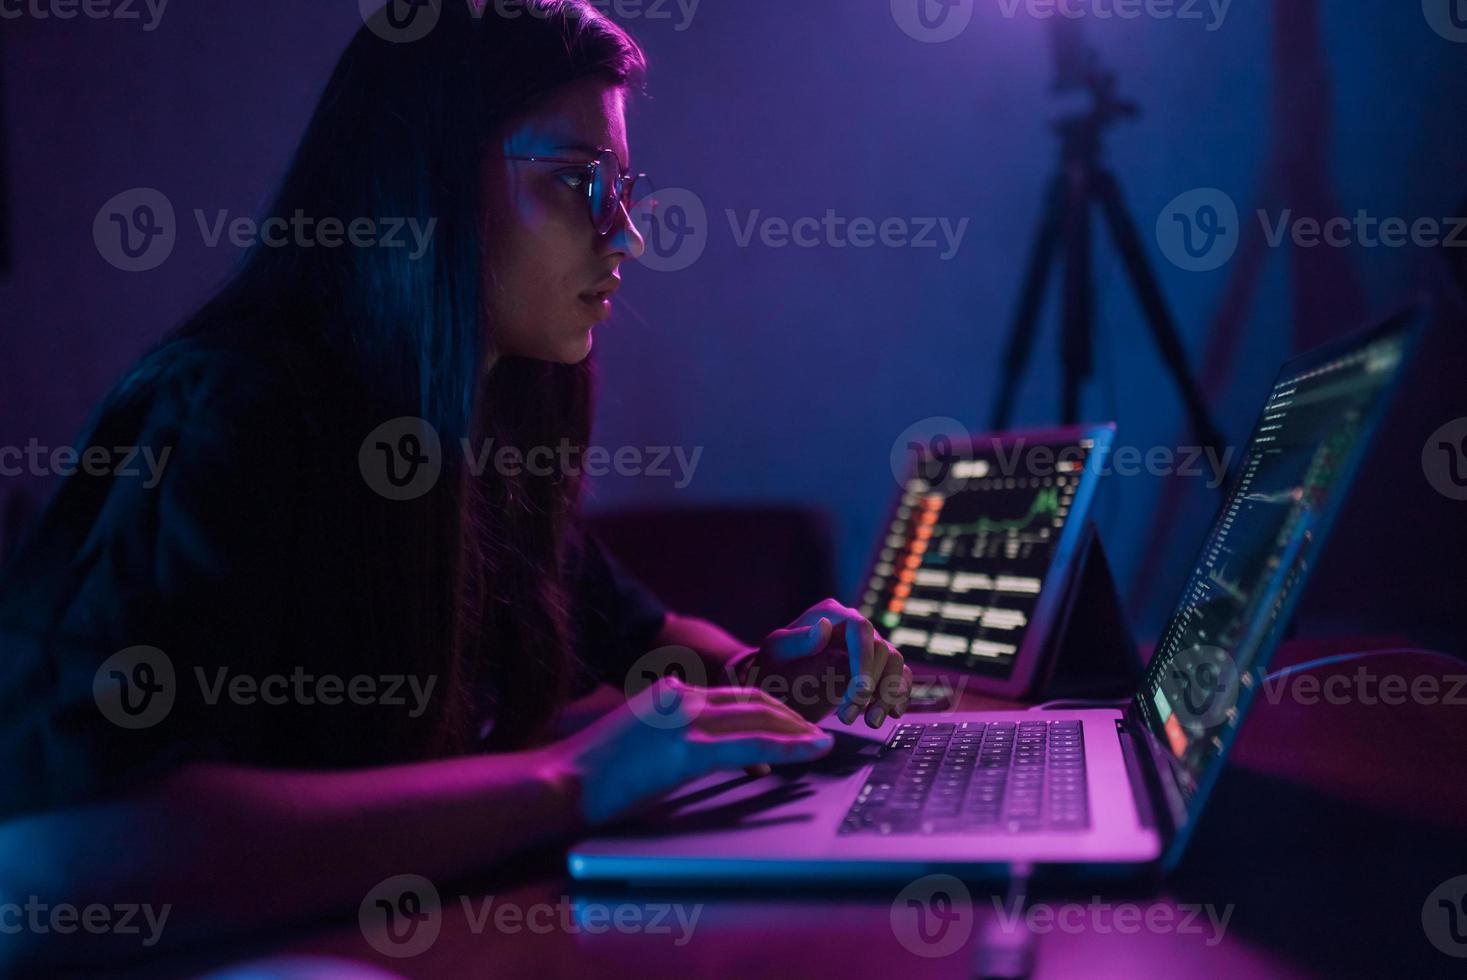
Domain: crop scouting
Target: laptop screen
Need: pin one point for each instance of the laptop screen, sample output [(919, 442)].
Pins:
[(974, 557), (1293, 475)]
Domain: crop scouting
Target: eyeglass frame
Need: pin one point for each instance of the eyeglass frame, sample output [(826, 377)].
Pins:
[(591, 169)]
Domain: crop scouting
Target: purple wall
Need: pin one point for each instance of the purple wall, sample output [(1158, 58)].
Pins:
[(795, 369)]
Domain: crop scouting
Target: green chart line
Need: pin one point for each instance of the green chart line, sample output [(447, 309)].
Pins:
[(1046, 503)]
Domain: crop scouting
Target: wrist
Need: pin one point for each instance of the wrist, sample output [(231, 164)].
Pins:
[(563, 780), (737, 667)]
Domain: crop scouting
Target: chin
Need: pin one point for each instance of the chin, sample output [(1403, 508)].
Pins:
[(575, 351)]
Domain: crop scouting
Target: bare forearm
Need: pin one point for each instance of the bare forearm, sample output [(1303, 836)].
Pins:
[(228, 848), (714, 645)]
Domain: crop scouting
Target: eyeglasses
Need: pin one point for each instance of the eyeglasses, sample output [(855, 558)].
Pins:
[(608, 189)]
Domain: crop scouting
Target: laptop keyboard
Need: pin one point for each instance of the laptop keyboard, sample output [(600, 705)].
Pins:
[(975, 777)]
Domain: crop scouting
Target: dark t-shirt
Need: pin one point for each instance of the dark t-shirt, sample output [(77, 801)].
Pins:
[(195, 603)]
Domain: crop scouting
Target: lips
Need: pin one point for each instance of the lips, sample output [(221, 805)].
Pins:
[(603, 290)]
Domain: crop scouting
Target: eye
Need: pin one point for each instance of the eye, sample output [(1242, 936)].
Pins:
[(576, 180)]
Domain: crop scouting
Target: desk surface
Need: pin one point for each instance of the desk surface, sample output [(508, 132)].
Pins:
[(1333, 825)]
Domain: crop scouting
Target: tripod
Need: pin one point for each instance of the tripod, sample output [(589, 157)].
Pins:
[(1083, 180)]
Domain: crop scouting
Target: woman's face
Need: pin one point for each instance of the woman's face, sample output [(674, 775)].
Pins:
[(549, 271)]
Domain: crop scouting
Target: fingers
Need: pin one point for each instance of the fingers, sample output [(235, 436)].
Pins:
[(753, 718), (867, 661), (880, 683), (799, 641), (893, 689), (712, 752)]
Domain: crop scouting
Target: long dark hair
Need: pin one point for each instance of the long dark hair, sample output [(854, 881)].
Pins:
[(466, 582)]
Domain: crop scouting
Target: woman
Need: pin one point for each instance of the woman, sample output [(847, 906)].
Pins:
[(179, 719)]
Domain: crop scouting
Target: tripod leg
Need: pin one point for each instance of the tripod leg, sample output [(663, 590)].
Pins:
[(1158, 317), (1079, 304), (1031, 300)]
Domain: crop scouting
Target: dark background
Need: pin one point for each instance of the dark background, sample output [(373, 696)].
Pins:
[(797, 369)]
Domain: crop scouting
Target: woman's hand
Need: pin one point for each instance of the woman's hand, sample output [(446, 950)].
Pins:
[(832, 657), (674, 732)]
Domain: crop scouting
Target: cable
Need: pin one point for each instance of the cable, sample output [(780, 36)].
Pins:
[(1340, 658), (1069, 703), (1005, 946)]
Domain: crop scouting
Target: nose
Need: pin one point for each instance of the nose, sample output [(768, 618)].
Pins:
[(624, 235)]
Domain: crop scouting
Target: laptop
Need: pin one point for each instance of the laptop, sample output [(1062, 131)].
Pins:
[(1095, 790)]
